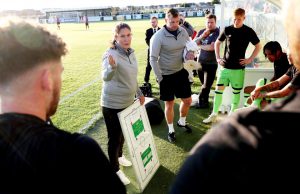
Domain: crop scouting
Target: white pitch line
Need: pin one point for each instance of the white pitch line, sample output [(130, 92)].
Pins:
[(95, 117), (90, 123), (78, 90)]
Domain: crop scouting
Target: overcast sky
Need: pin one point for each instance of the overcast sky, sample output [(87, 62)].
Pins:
[(40, 4)]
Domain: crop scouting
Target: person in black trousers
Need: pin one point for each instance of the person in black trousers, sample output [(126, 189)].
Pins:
[(149, 33), (206, 40)]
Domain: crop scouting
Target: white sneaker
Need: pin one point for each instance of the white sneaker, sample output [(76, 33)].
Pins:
[(124, 162), (123, 177), (212, 118), (228, 109), (222, 109)]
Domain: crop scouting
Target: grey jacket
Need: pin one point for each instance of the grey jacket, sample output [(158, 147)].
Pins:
[(166, 52), (119, 82)]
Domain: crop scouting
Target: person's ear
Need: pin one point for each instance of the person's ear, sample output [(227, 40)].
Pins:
[(278, 52), (46, 80)]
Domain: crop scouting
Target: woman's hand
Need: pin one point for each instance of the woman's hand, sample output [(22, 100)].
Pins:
[(142, 99), (111, 61)]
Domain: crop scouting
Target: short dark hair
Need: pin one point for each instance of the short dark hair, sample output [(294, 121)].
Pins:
[(24, 46), (273, 47), (154, 17), (211, 16), (173, 12)]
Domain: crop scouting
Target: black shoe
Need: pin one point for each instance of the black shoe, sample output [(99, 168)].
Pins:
[(195, 73), (187, 128), (202, 105), (171, 137)]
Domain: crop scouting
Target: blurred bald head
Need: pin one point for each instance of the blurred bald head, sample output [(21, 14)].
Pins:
[(25, 46), (30, 68), (291, 13)]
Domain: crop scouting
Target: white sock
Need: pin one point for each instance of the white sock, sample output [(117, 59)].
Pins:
[(171, 128), (182, 121)]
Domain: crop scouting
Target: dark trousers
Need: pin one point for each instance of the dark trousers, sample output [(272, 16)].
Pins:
[(115, 136), (148, 68), (207, 76)]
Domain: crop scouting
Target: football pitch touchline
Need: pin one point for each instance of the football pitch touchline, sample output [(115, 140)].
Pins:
[(78, 90), (95, 118)]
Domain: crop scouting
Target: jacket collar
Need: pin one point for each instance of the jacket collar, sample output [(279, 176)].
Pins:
[(167, 33), (122, 51)]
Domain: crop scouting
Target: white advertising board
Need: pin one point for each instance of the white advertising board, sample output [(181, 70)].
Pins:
[(138, 135)]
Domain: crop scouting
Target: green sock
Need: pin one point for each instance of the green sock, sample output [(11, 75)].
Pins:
[(257, 102), (246, 97), (217, 100), (260, 82), (235, 100)]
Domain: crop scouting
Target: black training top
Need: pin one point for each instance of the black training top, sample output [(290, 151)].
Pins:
[(281, 66), (36, 157), (236, 43)]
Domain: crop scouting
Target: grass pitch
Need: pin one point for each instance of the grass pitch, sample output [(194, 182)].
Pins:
[(79, 109)]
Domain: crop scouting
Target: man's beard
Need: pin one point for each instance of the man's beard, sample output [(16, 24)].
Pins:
[(54, 103)]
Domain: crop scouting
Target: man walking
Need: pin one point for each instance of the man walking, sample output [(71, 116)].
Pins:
[(166, 49)]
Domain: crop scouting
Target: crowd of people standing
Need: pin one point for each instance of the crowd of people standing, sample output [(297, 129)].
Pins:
[(252, 150)]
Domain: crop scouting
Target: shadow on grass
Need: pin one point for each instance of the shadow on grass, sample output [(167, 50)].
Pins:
[(183, 140), (99, 133), (160, 182)]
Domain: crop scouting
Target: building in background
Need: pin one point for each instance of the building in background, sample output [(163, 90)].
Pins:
[(97, 14)]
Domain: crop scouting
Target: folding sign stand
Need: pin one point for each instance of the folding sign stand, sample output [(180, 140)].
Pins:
[(138, 135)]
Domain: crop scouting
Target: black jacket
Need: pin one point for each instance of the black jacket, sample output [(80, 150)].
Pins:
[(36, 157), (250, 152), (149, 34)]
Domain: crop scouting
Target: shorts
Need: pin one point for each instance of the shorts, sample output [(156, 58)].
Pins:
[(176, 84), (233, 76)]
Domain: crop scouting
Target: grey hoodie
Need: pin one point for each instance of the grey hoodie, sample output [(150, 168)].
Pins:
[(119, 82), (166, 52)]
